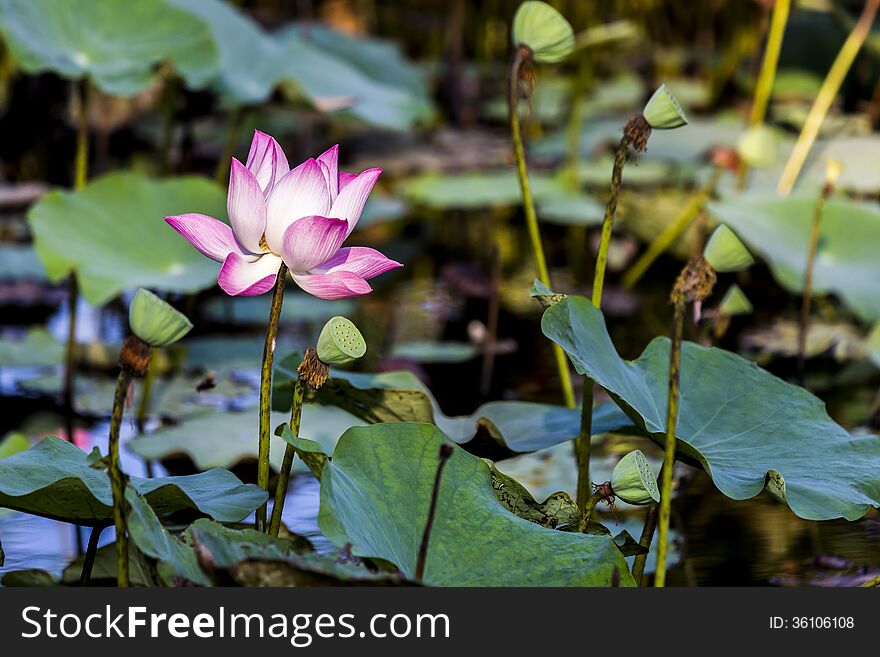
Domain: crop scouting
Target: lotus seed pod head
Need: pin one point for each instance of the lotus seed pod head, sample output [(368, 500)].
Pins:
[(340, 342), (735, 302), (633, 480), (663, 112), (154, 321), (833, 169), (725, 252), (758, 146), (544, 31)]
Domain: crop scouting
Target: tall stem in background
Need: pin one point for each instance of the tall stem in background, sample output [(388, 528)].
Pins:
[(289, 453), (80, 177), (815, 230), (641, 560), (236, 122), (827, 94), (144, 408), (266, 391), (520, 57), (764, 85), (117, 478), (669, 448)]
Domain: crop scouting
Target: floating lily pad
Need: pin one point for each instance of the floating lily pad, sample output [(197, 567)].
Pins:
[(111, 234), (298, 307), (55, 479), (38, 348), (216, 440), (846, 258), (511, 426), (375, 493), (20, 263), (743, 425), (118, 44), (425, 351)]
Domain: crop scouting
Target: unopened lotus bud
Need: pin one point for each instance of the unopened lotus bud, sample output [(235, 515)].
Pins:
[(725, 252), (633, 480), (154, 321), (735, 302), (663, 111), (340, 342), (544, 31), (758, 146)]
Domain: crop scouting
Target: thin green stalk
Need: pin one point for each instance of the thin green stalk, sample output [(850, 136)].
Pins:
[(764, 86), (266, 392), (589, 507), (117, 478), (144, 408), (815, 229), (582, 445), (287, 464), (827, 94), (520, 57), (641, 560), (669, 450), (673, 231), (80, 177), (88, 564)]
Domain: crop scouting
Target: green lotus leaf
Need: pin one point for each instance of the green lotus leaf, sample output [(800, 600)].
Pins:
[(375, 493), (112, 236), (510, 426), (56, 479), (428, 351), (335, 71), (215, 440), (544, 30), (737, 421), (778, 230), (118, 44)]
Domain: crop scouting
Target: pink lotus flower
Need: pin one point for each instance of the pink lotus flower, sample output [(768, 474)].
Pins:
[(298, 216)]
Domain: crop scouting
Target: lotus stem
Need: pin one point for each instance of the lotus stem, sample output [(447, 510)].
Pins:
[(266, 392), (520, 57), (287, 463), (673, 231), (582, 446), (117, 478), (88, 563), (669, 448), (608, 221), (144, 408), (589, 507), (767, 75), (827, 94), (445, 453), (815, 230), (641, 560)]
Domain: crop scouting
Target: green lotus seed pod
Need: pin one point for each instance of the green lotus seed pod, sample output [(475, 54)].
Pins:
[(633, 480), (154, 321), (757, 146), (544, 30), (340, 342), (663, 112), (735, 302), (725, 252)]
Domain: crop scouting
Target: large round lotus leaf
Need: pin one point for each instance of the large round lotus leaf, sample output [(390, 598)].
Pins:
[(744, 426), (859, 157), (516, 426), (375, 494), (56, 479), (118, 44), (215, 440), (846, 258), (251, 62), (335, 77), (112, 235)]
